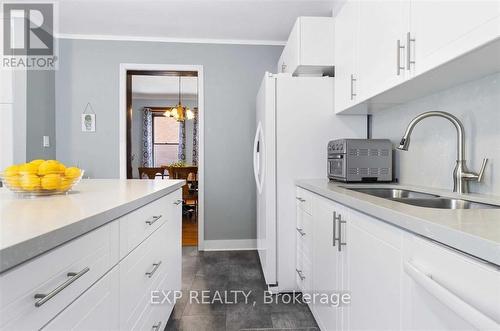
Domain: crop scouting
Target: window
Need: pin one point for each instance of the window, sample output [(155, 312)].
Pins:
[(165, 140)]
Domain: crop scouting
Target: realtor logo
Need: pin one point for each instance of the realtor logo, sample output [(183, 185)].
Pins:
[(28, 36)]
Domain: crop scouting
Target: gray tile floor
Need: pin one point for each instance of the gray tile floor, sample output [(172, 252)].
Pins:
[(226, 271)]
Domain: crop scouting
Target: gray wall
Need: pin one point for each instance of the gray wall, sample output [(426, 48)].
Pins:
[(432, 154), (88, 72), (40, 114)]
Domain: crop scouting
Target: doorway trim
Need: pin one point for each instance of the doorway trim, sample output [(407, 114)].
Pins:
[(124, 67)]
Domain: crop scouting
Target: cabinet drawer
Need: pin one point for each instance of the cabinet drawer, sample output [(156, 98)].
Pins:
[(141, 223), (155, 316), (431, 270), (304, 275), (141, 271), (304, 199), (89, 257), (96, 309), (304, 241)]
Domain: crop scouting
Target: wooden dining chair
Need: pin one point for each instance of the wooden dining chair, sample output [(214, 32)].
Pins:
[(151, 173), (190, 189)]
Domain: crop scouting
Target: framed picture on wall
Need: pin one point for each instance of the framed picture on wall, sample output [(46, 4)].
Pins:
[(88, 122)]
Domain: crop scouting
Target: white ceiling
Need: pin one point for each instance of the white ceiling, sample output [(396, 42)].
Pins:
[(164, 87), (233, 21)]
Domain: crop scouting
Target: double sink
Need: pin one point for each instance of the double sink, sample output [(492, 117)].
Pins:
[(422, 199)]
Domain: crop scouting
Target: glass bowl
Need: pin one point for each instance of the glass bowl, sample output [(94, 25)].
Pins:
[(14, 184)]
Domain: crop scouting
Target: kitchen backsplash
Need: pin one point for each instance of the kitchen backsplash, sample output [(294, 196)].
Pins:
[(432, 154)]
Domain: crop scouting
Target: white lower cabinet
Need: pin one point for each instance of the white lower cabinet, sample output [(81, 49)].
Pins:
[(396, 280), (93, 283), (446, 290), (304, 237), (96, 309), (326, 260), (372, 274), (34, 292)]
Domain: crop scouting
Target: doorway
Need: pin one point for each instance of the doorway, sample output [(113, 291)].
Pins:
[(161, 133)]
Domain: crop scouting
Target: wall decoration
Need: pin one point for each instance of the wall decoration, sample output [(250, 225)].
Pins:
[(88, 122), (88, 119)]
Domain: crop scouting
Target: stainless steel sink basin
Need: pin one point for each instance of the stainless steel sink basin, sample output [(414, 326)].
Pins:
[(446, 203), (393, 193), (421, 199)]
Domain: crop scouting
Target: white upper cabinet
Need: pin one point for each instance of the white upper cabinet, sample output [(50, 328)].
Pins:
[(382, 25), (444, 30), (381, 45), (309, 49), (346, 36)]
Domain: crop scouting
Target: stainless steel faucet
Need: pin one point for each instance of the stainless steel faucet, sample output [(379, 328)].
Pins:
[(461, 175)]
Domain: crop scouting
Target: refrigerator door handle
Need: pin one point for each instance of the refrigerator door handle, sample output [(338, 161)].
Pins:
[(257, 149)]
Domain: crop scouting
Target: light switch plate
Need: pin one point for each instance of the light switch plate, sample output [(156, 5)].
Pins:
[(46, 141)]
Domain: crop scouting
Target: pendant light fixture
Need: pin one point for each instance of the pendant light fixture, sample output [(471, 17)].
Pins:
[(179, 112)]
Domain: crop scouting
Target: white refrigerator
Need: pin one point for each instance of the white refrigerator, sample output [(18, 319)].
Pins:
[(295, 121)]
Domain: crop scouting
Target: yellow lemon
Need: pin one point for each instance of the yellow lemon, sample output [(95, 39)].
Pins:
[(30, 182), (51, 182), (72, 172), (65, 184), (62, 169), (37, 162), (48, 167), (28, 169), (13, 170), (13, 181)]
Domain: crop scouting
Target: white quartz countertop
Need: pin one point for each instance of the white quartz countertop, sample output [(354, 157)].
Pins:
[(472, 231), (32, 226)]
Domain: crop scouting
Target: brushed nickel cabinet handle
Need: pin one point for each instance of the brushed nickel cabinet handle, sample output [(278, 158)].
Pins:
[(399, 47), (177, 202), (336, 217), (409, 61), (302, 233), (340, 234), (156, 327), (352, 87), (155, 267), (46, 297), (301, 275), (155, 218)]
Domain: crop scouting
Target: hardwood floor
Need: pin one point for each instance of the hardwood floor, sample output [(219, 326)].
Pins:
[(189, 231)]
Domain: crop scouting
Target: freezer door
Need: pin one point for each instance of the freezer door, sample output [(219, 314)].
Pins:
[(264, 156)]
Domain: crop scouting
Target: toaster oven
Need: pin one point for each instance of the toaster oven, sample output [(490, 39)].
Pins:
[(360, 160)]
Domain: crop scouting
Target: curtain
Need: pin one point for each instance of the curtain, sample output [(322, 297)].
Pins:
[(147, 138), (181, 152), (195, 137)]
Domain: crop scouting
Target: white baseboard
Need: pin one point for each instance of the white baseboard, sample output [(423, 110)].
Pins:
[(230, 245)]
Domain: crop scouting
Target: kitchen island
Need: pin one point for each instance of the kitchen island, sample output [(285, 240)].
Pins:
[(90, 259)]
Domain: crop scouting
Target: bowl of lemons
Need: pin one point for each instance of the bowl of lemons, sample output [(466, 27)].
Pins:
[(40, 177)]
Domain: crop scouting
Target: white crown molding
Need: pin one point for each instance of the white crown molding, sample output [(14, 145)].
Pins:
[(170, 40)]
